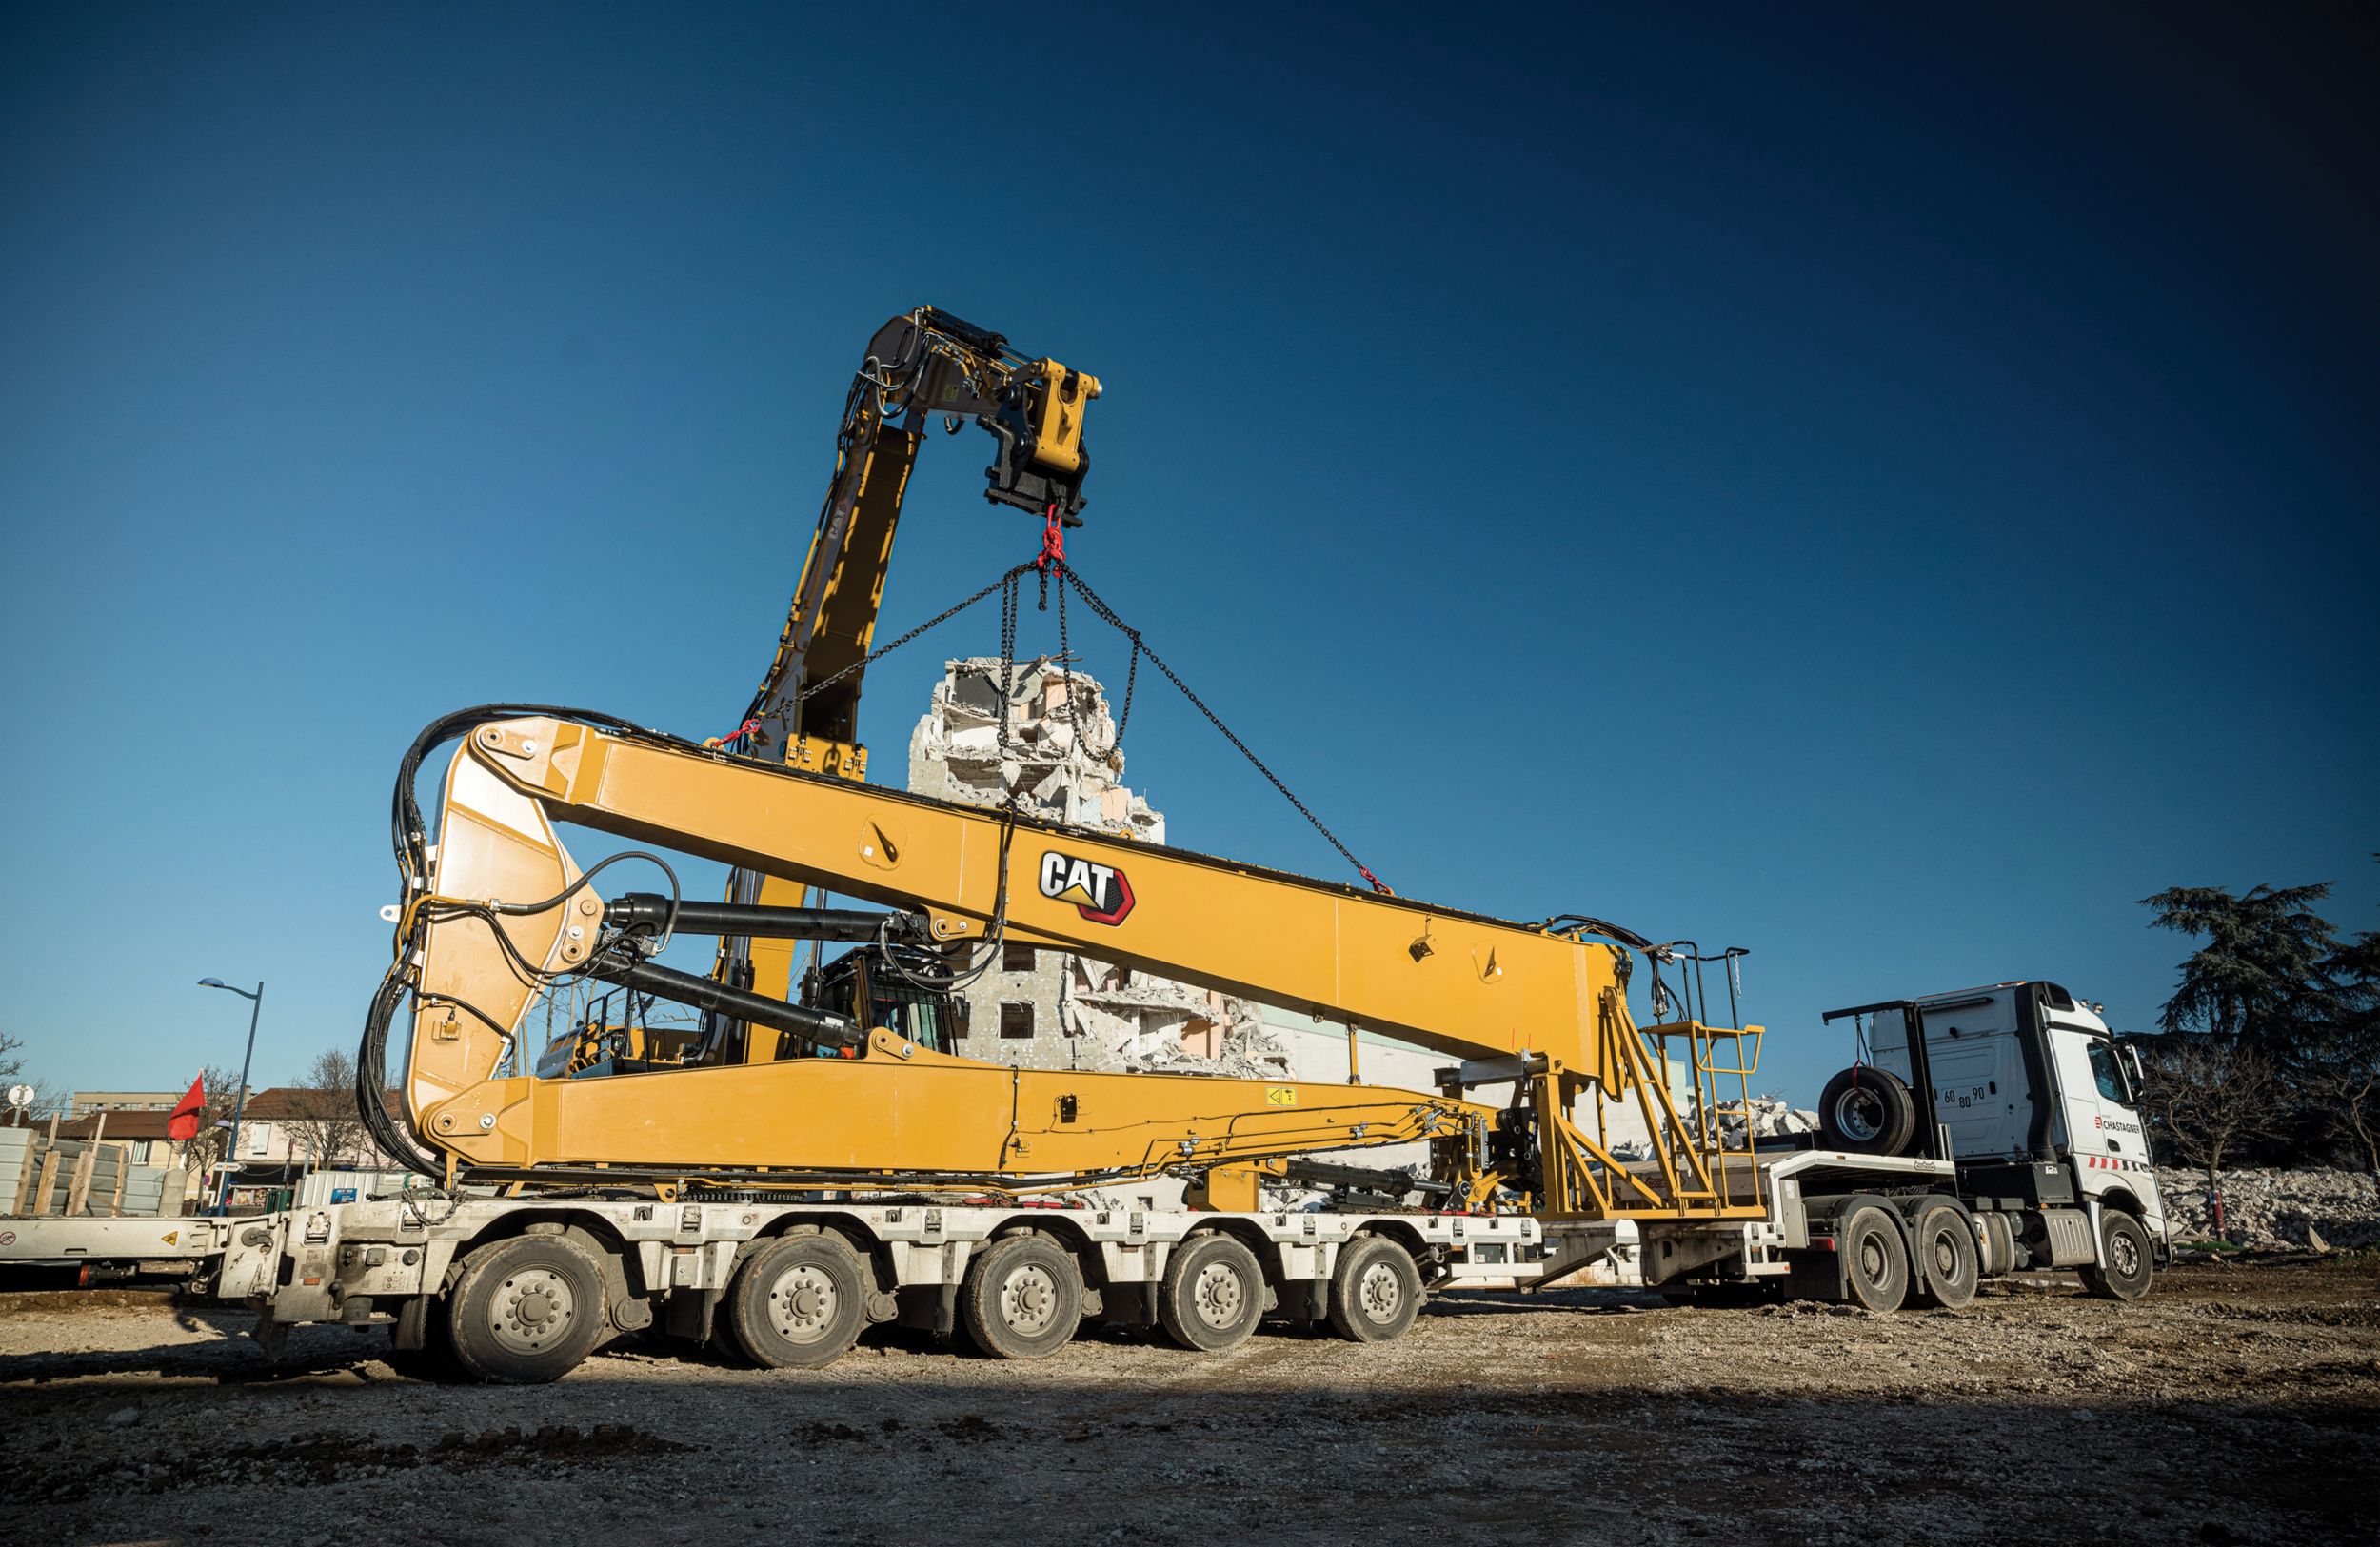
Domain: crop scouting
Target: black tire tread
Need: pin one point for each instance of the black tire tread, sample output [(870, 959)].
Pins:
[(1346, 1319), (743, 1313), (1887, 1296), (1924, 1288), (482, 1360), (2103, 1283), (1900, 1111), (978, 1312)]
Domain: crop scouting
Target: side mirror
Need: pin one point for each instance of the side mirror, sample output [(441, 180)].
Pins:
[(2132, 1066)]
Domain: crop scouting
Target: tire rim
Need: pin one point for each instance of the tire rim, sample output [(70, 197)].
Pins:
[(1028, 1301), (1378, 1294), (2123, 1254), (1859, 1114), (801, 1304), (1218, 1296), (531, 1310), (1872, 1261), (1945, 1257)]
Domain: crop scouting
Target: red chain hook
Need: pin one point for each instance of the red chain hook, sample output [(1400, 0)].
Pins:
[(1053, 542)]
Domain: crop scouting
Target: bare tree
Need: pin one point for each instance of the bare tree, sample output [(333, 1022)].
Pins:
[(2345, 1087), (2206, 1097), (323, 1121)]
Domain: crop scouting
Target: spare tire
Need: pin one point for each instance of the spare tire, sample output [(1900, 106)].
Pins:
[(1868, 1111)]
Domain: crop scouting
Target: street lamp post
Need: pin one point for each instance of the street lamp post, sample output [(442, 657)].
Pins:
[(239, 1104)]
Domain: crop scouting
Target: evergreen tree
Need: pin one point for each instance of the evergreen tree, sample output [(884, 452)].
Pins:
[(2265, 975)]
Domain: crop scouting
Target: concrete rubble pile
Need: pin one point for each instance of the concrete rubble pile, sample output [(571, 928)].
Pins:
[(1771, 1118), (2270, 1209), (1064, 762), (1062, 759), (1157, 1025)]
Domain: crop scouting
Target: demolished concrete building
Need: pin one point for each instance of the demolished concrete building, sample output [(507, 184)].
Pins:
[(1056, 1009)]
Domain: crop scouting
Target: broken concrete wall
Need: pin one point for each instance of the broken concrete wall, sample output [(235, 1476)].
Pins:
[(1062, 758), (1050, 1009)]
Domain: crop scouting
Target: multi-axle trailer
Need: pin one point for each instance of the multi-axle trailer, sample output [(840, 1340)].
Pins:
[(524, 1288)]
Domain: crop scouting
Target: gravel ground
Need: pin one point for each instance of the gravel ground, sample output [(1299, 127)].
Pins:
[(2238, 1403)]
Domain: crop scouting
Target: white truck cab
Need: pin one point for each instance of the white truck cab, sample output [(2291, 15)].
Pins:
[(2023, 1086)]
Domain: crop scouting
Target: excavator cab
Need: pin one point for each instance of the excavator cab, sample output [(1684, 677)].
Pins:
[(870, 989)]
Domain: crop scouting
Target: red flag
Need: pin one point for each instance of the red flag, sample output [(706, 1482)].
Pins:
[(182, 1124)]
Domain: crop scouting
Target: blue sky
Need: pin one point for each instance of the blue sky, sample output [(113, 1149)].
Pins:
[(1884, 490)]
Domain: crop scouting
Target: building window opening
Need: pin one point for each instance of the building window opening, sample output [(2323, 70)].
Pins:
[(1016, 1021)]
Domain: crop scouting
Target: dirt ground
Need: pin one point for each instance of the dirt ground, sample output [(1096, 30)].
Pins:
[(2239, 1403)]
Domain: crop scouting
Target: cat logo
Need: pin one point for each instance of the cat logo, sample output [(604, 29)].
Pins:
[(1099, 892)]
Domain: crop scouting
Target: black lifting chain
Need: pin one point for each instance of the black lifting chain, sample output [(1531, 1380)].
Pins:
[(1132, 682), (1010, 588), (1008, 630), (1139, 648)]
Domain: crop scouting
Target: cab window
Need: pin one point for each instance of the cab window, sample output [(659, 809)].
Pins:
[(916, 1017), (2109, 1074)]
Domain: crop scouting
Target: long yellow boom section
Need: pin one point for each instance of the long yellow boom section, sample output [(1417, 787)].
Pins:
[(1455, 982), (1520, 1003), (1464, 985)]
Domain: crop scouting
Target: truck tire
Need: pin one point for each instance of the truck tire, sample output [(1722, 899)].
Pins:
[(2125, 1267), (1375, 1291), (1875, 1258), (1213, 1293), (1868, 1111), (1949, 1266), (1022, 1298), (526, 1310), (798, 1304)]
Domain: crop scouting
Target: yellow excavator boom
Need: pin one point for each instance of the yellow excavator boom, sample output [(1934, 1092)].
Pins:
[(503, 911), (804, 714)]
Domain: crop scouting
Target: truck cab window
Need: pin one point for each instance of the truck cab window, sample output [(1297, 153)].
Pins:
[(2109, 1076)]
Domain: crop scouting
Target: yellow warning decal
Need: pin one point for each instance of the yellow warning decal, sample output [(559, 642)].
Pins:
[(1280, 1095)]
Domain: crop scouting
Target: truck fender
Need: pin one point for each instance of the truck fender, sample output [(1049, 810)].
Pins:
[(1817, 1274), (628, 1310)]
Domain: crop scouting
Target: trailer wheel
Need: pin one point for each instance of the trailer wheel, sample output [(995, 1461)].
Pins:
[(1022, 1298), (526, 1310), (1944, 1240), (798, 1304), (2123, 1250), (1213, 1293), (1377, 1290), (1875, 1260), (1868, 1111)]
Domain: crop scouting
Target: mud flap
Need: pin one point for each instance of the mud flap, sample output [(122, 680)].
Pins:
[(272, 1337)]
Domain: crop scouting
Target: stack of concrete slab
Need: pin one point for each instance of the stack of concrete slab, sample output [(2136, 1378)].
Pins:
[(43, 1176)]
